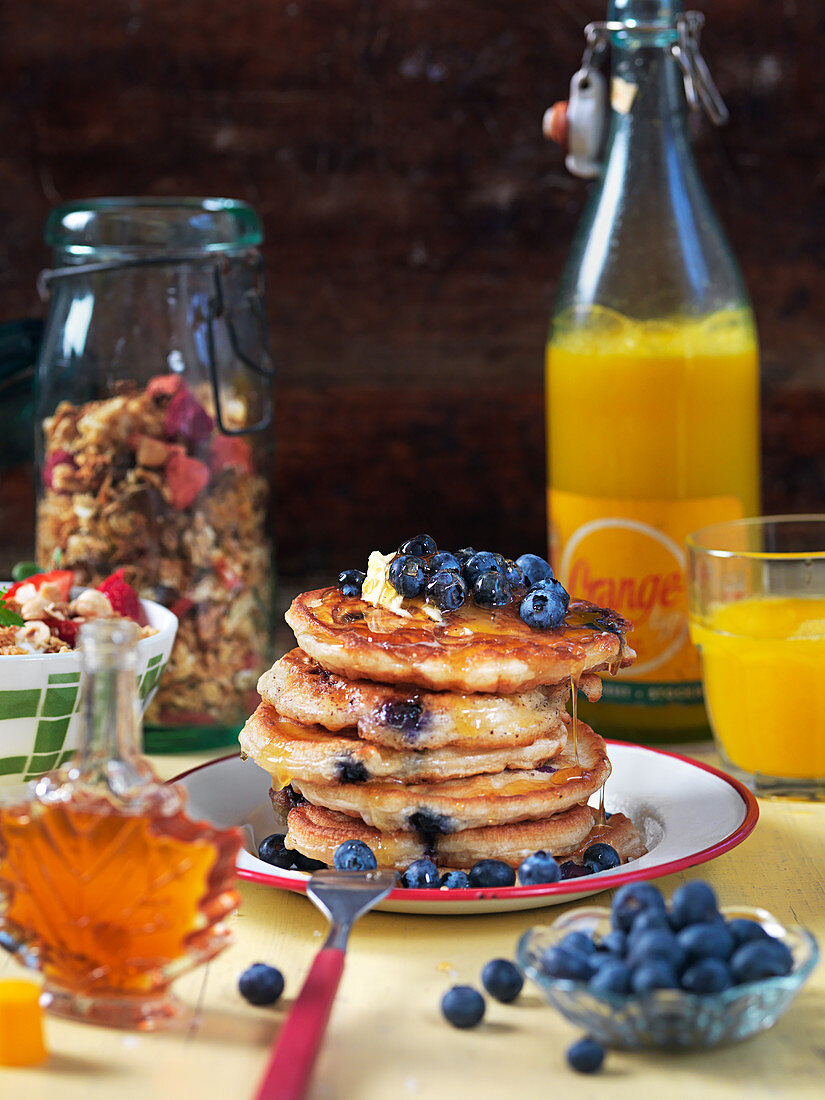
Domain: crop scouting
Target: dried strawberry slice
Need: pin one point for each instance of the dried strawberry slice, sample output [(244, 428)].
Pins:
[(187, 419), (122, 597), (65, 629), (185, 478), (164, 385), (56, 458), (227, 451)]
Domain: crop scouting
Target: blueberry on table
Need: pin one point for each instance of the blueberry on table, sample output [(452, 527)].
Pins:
[(544, 608), (492, 872), (351, 582), (630, 900), (502, 979), (693, 903), (603, 857), (539, 867), (534, 568), (759, 959), (420, 546), (585, 1056), (463, 1006), (407, 575), (354, 855), (454, 880), (708, 975), (261, 984), (446, 589), (491, 590), (422, 874)]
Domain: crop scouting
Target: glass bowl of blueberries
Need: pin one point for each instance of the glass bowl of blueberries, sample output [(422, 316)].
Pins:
[(683, 975)]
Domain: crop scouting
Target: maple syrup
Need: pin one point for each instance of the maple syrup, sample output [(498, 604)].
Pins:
[(105, 884)]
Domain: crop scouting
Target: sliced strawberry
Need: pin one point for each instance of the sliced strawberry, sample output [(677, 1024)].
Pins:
[(63, 578), (56, 458), (181, 606), (65, 629), (186, 419), (122, 597), (185, 478), (164, 385), (229, 451)]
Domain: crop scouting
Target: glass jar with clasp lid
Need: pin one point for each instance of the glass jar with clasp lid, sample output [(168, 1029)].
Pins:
[(154, 434)]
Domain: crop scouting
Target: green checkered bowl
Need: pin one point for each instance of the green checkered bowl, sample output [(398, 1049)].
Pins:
[(40, 699)]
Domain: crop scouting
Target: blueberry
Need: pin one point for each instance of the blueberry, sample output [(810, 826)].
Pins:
[(492, 872), (482, 562), (514, 575), (707, 976), (306, 863), (631, 899), (649, 919), (404, 714), (261, 984), (656, 974), (422, 874), (693, 903), (538, 868), (491, 590), (454, 880), (569, 869), (463, 1006), (464, 555), (615, 942), (561, 962), (407, 575), (744, 930), (354, 855), (759, 959), (578, 941), (443, 560), (612, 976), (585, 1056), (603, 856), (272, 846), (658, 943), (446, 589), (419, 547), (534, 568), (351, 581), (712, 940), (502, 980), (544, 608)]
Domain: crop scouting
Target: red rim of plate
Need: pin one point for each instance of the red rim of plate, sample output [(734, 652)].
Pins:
[(607, 879)]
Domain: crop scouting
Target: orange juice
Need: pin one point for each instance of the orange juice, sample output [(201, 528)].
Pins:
[(653, 432), (763, 659)]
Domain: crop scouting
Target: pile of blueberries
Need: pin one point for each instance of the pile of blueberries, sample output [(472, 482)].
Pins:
[(447, 580), (688, 946)]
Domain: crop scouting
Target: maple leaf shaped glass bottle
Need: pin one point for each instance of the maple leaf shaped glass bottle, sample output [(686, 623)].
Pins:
[(106, 885), (652, 376)]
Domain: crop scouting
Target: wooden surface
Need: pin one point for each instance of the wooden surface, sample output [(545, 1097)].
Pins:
[(387, 1040)]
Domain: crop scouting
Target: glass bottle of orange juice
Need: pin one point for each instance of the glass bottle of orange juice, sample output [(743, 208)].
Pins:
[(652, 383)]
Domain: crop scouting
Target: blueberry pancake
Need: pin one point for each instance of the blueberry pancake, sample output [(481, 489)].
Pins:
[(467, 803), (317, 832), (401, 716), (291, 751), (470, 649)]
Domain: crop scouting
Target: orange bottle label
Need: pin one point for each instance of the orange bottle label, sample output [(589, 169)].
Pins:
[(630, 555)]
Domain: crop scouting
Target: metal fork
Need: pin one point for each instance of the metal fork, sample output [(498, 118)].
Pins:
[(342, 896)]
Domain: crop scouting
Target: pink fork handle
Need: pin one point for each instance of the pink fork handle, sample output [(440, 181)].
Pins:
[(287, 1075)]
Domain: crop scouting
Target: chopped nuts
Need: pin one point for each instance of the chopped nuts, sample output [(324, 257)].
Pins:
[(35, 633), (91, 604)]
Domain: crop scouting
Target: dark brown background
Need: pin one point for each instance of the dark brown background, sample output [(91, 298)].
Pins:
[(416, 224)]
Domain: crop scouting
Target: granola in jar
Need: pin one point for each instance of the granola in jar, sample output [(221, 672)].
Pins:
[(145, 480)]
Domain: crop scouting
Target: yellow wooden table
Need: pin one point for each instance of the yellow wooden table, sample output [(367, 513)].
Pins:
[(386, 1037)]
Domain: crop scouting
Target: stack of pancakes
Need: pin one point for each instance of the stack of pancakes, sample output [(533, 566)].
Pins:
[(449, 739)]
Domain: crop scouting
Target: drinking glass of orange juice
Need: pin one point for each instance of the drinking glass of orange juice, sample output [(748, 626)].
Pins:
[(757, 614)]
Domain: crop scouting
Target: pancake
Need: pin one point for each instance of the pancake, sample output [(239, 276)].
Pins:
[(402, 716), (456, 804), (317, 832), (289, 750), (472, 650)]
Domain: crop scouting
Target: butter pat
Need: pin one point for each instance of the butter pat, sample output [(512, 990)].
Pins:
[(21, 1024), (378, 591)]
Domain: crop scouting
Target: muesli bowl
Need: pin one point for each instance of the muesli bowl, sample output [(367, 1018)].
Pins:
[(668, 1018), (40, 698)]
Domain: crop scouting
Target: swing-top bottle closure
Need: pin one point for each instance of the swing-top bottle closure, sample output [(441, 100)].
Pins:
[(579, 124)]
